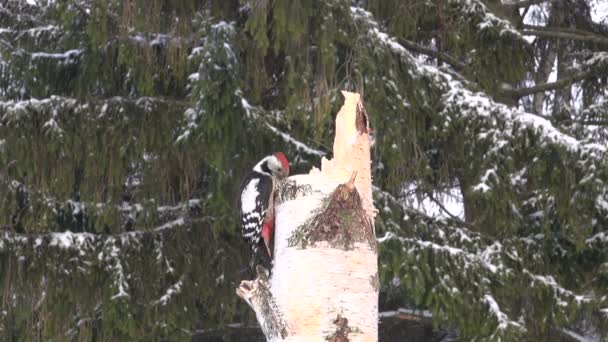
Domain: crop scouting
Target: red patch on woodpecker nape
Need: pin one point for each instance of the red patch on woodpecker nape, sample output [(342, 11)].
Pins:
[(283, 160)]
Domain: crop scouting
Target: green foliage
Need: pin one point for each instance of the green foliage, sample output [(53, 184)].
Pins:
[(120, 117)]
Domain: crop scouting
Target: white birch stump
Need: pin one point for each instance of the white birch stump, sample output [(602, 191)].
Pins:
[(324, 281)]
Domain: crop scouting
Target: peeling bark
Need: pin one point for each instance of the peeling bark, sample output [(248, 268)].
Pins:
[(257, 294), (324, 283)]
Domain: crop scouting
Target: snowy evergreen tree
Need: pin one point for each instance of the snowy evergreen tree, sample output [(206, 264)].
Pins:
[(125, 127)]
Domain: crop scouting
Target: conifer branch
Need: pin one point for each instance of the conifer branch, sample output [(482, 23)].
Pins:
[(561, 83), (456, 64), (524, 3), (580, 35)]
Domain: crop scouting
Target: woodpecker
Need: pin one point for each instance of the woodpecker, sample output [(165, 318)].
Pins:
[(256, 202)]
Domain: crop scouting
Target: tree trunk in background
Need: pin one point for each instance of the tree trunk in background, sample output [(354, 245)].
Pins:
[(324, 283)]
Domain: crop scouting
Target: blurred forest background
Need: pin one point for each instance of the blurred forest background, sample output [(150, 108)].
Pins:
[(126, 125)]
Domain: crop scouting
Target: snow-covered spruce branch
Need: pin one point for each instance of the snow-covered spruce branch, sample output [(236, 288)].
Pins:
[(95, 251), (476, 11), (462, 258), (13, 109), (258, 113), (498, 126), (550, 32), (455, 63), (83, 241), (456, 97), (49, 31), (525, 3), (596, 110), (491, 270), (127, 211), (561, 83)]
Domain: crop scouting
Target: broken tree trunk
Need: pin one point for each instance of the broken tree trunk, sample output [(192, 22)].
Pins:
[(324, 281)]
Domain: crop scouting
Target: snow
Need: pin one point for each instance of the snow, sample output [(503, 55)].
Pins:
[(69, 240), (503, 319), (253, 112), (62, 55), (599, 11), (579, 338), (599, 237), (446, 204), (175, 223), (249, 109), (172, 291), (483, 184), (559, 291), (488, 254), (34, 31), (483, 260), (464, 102), (601, 203), (194, 77), (191, 116), (300, 146), (120, 282), (52, 127), (489, 20), (406, 311)]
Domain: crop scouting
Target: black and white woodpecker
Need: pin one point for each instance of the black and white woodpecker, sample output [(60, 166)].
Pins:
[(256, 202)]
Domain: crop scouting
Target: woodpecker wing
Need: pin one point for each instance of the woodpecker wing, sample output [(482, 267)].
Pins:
[(253, 207)]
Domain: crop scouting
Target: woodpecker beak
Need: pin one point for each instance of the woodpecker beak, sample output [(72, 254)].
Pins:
[(284, 173)]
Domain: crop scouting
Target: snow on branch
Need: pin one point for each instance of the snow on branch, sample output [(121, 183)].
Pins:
[(541, 31), (596, 110), (127, 212), (560, 292), (524, 3), (462, 259), (110, 252), (458, 99), (300, 146), (258, 113), (67, 55), (477, 12), (15, 110), (503, 320)]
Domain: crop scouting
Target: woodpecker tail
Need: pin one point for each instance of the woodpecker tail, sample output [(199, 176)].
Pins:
[(260, 254)]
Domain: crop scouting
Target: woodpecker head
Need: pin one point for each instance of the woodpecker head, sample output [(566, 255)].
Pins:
[(279, 165), (275, 165)]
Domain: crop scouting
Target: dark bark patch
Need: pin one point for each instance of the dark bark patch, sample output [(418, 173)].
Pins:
[(341, 221), (361, 119), (342, 330), (289, 190), (375, 282)]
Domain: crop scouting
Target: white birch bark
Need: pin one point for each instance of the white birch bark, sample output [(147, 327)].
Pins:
[(324, 282)]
